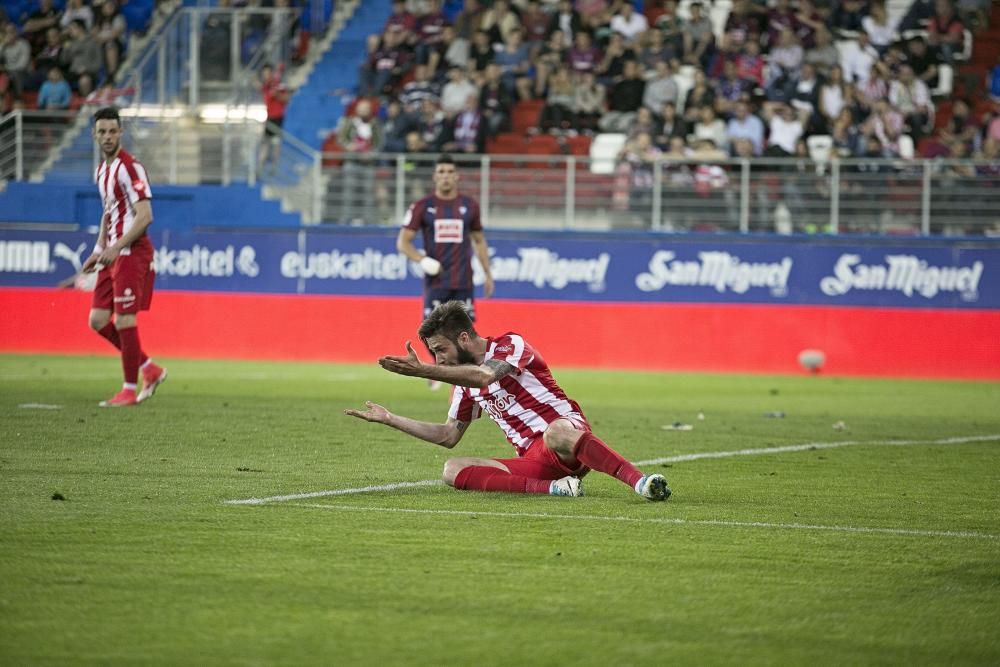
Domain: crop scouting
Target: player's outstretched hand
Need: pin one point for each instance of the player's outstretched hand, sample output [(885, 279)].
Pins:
[(408, 365), (91, 263), (375, 413)]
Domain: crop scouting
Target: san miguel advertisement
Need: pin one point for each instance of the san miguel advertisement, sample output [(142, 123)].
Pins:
[(920, 274)]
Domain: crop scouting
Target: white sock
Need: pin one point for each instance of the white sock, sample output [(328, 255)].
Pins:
[(128, 385)]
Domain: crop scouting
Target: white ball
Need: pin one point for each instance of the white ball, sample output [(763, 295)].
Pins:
[(812, 360)]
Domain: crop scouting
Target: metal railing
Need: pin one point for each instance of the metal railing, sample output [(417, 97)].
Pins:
[(26, 137), (916, 197)]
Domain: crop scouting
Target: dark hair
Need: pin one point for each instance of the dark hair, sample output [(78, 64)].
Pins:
[(449, 320), (446, 158), (108, 113)]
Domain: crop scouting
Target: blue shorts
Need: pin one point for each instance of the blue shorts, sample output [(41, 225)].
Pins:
[(435, 297)]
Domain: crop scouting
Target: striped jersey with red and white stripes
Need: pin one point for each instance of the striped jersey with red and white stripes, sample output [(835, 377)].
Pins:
[(522, 403), (121, 182)]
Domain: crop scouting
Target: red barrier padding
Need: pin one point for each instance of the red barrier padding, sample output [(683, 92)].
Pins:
[(682, 337)]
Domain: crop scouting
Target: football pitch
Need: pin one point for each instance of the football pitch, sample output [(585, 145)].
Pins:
[(239, 518)]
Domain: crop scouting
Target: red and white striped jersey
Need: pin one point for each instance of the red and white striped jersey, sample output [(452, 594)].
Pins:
[(122, 183), (522, 403)]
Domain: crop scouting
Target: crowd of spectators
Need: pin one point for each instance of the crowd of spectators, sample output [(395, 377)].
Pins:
[(54, 57), (772, 78)]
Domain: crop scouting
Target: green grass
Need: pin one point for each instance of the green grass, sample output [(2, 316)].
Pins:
[(143, 562)]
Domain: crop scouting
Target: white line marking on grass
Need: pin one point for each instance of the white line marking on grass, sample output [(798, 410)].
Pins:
[(817, 445), (909, 532), (668, 459), (337, 492), (40, 406)]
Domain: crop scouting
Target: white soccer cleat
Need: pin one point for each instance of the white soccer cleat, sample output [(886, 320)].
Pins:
[(567, 486), (653, 487), (152, 377)]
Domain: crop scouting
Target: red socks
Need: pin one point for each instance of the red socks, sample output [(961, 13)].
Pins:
[(596, 455), (488, 478), (110, 333), (131, 353)]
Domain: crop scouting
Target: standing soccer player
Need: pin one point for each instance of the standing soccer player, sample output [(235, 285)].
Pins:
[(452, 230), (508, 379), (123, 256)]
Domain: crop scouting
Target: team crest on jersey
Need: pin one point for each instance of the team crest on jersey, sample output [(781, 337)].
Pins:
[(448, 230), (138, 185)]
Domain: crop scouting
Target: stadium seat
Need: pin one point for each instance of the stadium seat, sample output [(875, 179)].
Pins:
[(604, 151), (907, 150), (820, 147), (946, 77)]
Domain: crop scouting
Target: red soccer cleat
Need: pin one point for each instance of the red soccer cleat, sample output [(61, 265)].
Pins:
[(152, 377), (123, 399)]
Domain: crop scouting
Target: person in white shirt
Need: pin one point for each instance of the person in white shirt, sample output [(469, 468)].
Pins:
[(785, 129), (857, 61), (911, 97), (629, 23), (880, 30)]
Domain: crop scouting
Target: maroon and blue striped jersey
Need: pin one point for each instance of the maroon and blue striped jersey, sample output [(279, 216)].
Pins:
[(445, 225)]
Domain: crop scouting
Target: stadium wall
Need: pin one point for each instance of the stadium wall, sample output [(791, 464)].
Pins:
[(886, 307)]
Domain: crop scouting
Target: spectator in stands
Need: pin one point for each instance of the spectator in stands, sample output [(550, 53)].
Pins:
[(402, 22), (709, 126), (961, 126), (845, 21), (824, 55), (568, 21), (624, 99), (698, 37), (588, 102), (466, 132), (557, 114), (419, 89), (358, 135), (15, 57), (629, 23), (430, 26), (654, 50), (85, 88), (731, 89), (700, 95), (945, 31), (808, 22), (636, 159), (583, 56), (395, 127), (786, 59), (110, 31), (845, 134), (452, 51), (385, 65), (727, 52), (858, 59), (672, 126), (803, 95), (834, 97), (745, 19), (469, 21), (644, 122), (910, 96), (886, 126), (750, 64), (923, 61), (549, 58), (481, 54), (275, 95), (514, 61), (54, 94), (611, 67), (780, 18), (535, 24), (76, 10), (974, 14), (670, 25), (875, 87), (457, 91), (214, 50), (745, 125), (785, 128), (495, 102), (431, 124), (8, 96), (499, 22), (49, 56), (881, 32), (661, 89), (38, 24)]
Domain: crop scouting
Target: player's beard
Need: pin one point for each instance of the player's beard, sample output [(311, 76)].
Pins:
[(464, 356), (114, 149)]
